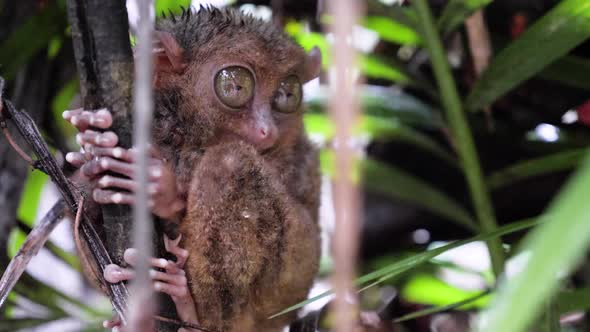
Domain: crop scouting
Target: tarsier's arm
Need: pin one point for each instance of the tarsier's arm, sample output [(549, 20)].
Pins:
[(98, 155)]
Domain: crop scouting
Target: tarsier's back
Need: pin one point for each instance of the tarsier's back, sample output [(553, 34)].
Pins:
[(229, 116)]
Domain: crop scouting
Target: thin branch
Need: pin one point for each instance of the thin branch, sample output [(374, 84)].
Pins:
[(47, 163), (100, 34), (33, 243)]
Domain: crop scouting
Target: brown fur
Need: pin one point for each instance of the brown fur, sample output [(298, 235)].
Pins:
[(251, 220)]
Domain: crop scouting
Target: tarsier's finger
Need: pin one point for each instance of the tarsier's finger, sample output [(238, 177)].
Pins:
[(171, 278), (107, 139), (170, 289), (82, 119), (109, 181), (114, 165), (114, 273), (130, 257), (116, 152), (102, 196), (173, 248), (127, 155), (77, 159)]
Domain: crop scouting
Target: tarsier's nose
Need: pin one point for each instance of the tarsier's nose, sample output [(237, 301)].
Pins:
[(266, 136)]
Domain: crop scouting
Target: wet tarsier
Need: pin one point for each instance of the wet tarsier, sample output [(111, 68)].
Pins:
[(230, 164)]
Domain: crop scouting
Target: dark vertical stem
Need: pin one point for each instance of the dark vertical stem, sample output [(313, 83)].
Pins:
[(100, 32), (461, 132)]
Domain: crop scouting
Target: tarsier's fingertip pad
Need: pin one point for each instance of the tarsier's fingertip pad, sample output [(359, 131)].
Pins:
[(112, 273)]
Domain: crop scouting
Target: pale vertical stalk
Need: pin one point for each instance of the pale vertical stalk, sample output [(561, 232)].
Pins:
[(142, 306), (344, 113), (479, 41)]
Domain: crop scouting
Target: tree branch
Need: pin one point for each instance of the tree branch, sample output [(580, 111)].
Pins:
[(100, 33)]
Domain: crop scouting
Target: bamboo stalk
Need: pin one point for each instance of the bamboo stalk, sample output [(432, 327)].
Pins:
[(142, 305), (344, 111)]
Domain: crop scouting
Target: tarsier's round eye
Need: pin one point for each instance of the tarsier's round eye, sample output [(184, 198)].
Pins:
[(234, 86), (288, 96)]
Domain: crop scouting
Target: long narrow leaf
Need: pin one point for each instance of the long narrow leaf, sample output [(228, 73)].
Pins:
[(555, 34), (570, 70), (573, 300), (456, 11), (30, 37), (438, 309), (555, 247), (461, 132), (394, 182), (552, 163), (392, 31), (406, 264)]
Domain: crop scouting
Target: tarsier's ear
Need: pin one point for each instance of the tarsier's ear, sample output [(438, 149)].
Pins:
[(313, 64), (168, 54)]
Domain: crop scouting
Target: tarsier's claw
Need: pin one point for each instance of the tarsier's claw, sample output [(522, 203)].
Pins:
[(112, 323), (173, 248)]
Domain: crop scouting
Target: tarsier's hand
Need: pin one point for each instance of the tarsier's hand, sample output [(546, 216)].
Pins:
[(170, 279), (100, 154)]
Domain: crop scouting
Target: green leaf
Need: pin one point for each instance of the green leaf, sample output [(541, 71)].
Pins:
[(16, 324), (573, 300), (461, 132), (387, 103), (554, 35), (27, 210), (570, 70), (62, 102), (456, 12), (560, 161), (414, 261), (309, 40), (396, 183), (379, 129), (15, 241), (374, 67), (426, 289), (382, 129), (392, 31), (163, 6), (555, 249), (32, 36), (402, 14)]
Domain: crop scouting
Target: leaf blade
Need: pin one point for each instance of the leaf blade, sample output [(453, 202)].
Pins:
[(563, 28)]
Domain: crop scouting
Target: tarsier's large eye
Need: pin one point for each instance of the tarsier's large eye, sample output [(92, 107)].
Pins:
[(288, 96), (234, 86)]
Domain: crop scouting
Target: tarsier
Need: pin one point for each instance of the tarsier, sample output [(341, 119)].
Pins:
[(230, 163)]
